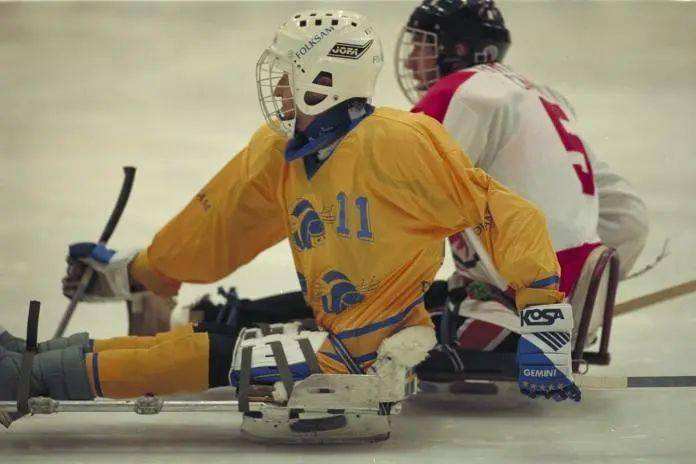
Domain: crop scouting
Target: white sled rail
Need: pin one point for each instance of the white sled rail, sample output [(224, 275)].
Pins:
[(146, 405), (262, 422)]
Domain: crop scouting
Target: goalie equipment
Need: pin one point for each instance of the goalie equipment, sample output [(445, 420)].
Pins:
[(306, 406), (543, 352), (592, 299), (276, 352), (322, 408), (398, 355)]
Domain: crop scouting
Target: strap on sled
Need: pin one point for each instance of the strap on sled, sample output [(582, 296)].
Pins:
[(283, 366), (602, 270), (281, 363), (24, 386)]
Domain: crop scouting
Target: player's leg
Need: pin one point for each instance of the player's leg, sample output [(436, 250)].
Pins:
[(183, 361), (60, 374), (18, 345), (172, 366), (140, 342)]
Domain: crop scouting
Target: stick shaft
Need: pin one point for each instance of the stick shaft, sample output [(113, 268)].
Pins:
[(77, 296), (620, 383), (656, 297), (124, 194)]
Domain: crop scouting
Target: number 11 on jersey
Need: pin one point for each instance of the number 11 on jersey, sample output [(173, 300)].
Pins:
[(363, 206)]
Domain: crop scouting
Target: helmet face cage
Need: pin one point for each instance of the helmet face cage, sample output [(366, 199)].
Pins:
[(318, 59), (416, 62), (274, 82)]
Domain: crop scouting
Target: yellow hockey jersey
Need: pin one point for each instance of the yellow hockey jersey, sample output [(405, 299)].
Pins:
[(366, 230)]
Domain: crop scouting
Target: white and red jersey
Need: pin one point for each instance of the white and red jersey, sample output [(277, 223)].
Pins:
[(524, 135)]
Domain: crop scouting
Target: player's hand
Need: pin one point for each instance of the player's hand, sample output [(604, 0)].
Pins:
[(111, 280), (544, 352)]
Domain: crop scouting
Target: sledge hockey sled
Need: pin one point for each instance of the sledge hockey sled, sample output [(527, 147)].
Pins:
[(593, 301), (322, 408)]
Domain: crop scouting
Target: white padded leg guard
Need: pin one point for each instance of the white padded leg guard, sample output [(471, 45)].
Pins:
[(397, 355), (263, 362)]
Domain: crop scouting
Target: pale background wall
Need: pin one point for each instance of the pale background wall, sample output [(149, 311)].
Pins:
[(86, 88)]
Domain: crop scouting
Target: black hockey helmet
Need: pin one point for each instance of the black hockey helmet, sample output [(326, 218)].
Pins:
[(464, 32), (469, 32)]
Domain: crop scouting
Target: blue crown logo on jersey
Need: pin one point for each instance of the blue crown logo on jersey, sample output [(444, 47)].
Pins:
[(308, 228), (341, 293)]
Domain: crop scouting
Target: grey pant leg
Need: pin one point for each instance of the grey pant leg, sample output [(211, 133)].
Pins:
[(18, 345), (60, 374), (10, 371), (10, 342)]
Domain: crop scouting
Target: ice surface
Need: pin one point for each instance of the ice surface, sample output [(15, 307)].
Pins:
[(88, 88)]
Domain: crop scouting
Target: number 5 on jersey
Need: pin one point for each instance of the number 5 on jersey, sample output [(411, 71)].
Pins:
[(571, 142)]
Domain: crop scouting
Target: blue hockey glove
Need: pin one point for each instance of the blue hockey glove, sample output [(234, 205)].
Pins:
[(544, 352)]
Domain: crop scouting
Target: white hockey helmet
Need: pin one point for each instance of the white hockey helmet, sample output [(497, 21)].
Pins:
[(318, 59)]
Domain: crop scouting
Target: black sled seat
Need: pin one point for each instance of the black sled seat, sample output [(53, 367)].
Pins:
[(593, 300)]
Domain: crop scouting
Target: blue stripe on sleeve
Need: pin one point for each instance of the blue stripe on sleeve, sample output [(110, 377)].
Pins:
[(545, 282)]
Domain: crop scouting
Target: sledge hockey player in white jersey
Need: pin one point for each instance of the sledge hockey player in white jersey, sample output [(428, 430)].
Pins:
[(365, 196), (524, 135)]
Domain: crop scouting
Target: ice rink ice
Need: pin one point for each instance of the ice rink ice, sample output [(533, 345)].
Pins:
[(86, 88)]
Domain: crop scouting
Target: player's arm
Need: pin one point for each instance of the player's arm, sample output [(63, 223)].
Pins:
[(451, 196), (232, 219), (512, 233), (623, 218)]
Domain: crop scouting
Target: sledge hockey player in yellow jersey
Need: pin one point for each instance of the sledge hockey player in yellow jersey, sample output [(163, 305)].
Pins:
[(365, 196)]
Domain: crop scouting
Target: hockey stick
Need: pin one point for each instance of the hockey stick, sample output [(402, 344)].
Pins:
[(654, 298), (590, 382), (621, 383), (129, 177)]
